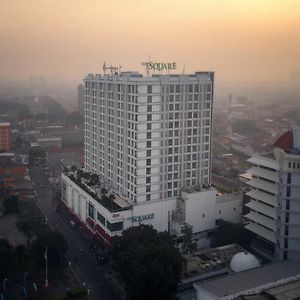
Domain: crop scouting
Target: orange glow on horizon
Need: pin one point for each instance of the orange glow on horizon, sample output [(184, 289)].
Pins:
[(248, 40)]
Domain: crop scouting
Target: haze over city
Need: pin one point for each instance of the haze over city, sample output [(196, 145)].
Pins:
[(254, 40), (149, 149)]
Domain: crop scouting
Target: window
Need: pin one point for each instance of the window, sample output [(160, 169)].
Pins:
[(148, 144), (148, 162), (149, 126), (149, 89), (288, 191), (148, 197), (287, 204), (149, 117), (149, 99), (148, 153), (91, 211), (148, 171), (114, 226), (148, 135), (148, 188), (149, 108), (100, 218), (289, 178), (148, 179)]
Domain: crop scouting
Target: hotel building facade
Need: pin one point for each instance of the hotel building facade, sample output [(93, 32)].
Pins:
[(149, 140)]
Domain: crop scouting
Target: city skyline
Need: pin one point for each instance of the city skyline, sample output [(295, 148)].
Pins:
[(239, 41)]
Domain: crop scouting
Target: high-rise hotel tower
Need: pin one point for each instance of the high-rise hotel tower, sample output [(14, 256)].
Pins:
[(149, 140), (149, 137)]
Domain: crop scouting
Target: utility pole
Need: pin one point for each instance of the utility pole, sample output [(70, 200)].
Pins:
[(46, 260)]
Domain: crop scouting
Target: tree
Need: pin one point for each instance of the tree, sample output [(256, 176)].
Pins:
[(74, 118), (6, 259), (31, 227), (11, 204), (19, 253), (246, 127), (187, 236), (36, 153), (56, 248), (147, 262), (228, 233)]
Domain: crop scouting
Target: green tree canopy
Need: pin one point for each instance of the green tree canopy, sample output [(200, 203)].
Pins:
[(6, 259), (147, 262), (36, 153), (74, 118), (246, 127), (187, 237), (31, 227), (56, 248), (228, 233), (11, 204)]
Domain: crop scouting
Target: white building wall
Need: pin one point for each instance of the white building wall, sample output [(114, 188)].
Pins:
[(229, 207), (200, 209), (117, 132)]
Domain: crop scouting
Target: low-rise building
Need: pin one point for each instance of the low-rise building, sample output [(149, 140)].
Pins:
[(4, 136), (251, 282), (106, 213)]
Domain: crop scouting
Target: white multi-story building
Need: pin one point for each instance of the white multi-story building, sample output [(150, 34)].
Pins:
[(275, 198), (148, 137), (149, 140)]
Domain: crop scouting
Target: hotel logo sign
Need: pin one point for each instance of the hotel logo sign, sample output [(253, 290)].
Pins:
[(141, 218), (160, 66)]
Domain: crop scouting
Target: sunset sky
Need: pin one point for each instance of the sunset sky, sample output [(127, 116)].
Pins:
[(238, 39)]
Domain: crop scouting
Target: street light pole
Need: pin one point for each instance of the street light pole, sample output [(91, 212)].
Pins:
[(46, 259)]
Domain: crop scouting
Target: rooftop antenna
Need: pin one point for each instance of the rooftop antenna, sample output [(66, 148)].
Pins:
[(146, 64), (183, 71), (104, 68), (113, 70)]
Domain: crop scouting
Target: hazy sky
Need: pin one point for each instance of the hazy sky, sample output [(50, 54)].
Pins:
[(238, 39)]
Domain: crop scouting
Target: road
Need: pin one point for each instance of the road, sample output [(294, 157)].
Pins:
[(82, 260)]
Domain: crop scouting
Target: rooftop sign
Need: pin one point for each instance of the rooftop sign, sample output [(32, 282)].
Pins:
[(161, 66)]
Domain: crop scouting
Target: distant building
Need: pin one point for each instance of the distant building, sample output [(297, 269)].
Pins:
[(275, 195), (58, 158), (4, 136), (49, 142), (80, 98), (256, 281)]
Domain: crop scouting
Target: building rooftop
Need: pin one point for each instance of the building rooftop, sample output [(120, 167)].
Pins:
[(49, 139), (200, 263), (264, 161), (289, 141), (285, 141), (136, 76), (93, 187), (287, 291), (237, 283)]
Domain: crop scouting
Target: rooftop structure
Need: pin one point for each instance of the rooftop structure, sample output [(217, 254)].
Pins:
[(249, 282), (243, 261)]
